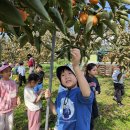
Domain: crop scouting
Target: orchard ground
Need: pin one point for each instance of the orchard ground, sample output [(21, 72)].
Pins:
[(111, 116)]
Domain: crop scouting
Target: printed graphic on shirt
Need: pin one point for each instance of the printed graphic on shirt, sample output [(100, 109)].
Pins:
[(67, 108), (92, 85)]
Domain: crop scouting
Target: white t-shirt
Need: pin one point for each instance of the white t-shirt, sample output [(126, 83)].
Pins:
[(29, 98), (21, 70)]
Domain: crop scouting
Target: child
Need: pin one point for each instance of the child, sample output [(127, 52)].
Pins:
[(118, 79), (40, 73), (8, 98), (90, 73), (33, 103), (21, 72), (31, 63), (73, 106)]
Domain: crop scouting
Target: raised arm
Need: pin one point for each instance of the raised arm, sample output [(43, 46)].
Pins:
[(83, 84)]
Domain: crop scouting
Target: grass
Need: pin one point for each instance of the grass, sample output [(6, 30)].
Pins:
[(111, 116)]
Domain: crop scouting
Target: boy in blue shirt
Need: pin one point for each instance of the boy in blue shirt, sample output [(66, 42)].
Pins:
[(73, 106)]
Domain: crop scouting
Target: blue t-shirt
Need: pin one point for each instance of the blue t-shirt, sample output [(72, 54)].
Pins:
[(73, 110), (37, 88)]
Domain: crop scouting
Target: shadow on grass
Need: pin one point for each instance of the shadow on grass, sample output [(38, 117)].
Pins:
[(108, 115)]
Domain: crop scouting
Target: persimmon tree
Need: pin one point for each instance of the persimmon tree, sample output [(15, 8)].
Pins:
[(29, 21)]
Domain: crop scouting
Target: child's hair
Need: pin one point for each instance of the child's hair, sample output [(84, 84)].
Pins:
[(21, 63), (29, 56), (61, 69), (38, 65), (89, 67), (33, 77)]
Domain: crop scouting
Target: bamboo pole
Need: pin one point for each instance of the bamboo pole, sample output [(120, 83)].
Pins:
[(50, 78)]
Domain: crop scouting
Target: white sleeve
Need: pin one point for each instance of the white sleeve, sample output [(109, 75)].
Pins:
[(115, 74), (29, 95)]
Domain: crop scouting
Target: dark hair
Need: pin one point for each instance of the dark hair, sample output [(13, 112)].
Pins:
[(21, 63), (38, 65), (33, 77), (61, 69), (29, 56), (89, 67)]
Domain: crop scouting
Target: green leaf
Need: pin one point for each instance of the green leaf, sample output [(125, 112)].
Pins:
[(103, 3), (122, 22), (124, 17), (44, 2), (49, 25), (77, 26), (66, 5), (126, 1), (23, 40), (11, 29), (28, 31), (103, 15), (87, 38), (113, 7), (112, 25), (65, 41), (9, 14), (122, 12), (99, 29), (70, 23), (89, 24), (56, 17), (37, 42), (37, 6)]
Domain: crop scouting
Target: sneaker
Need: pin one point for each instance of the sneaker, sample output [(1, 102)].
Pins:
[(120, 104), (114, 98)]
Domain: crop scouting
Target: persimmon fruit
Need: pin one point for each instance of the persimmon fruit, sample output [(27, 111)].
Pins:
[(94, 2), (83, 17)]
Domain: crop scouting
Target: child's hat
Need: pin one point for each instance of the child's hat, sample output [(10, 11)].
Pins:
[(3, 67), (60, 69)]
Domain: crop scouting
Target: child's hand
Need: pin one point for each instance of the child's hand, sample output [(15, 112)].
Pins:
[(18, 101), (96, 92), (42, 92), (47, 94), (76, 56)]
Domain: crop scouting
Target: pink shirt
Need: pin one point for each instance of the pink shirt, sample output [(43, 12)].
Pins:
[(8, 94)]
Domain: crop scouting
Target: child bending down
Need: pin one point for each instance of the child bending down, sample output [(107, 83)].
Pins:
[(33, 103), (8, 98), (118, 79), (73, 105)]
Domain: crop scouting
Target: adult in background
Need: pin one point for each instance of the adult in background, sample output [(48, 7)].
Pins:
[(31, 63), (90, 73)]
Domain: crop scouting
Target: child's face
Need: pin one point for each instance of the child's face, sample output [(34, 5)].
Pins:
[(6, 73), (68, 79), (38, 69), (33, 83), (93, 71)]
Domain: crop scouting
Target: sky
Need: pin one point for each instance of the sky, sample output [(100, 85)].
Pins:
[(107, 5)]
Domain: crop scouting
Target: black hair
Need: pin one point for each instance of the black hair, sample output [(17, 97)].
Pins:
[(21, 63), (29, 56), (38, 65), (61, 69), (33, 77), (89, 67)]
